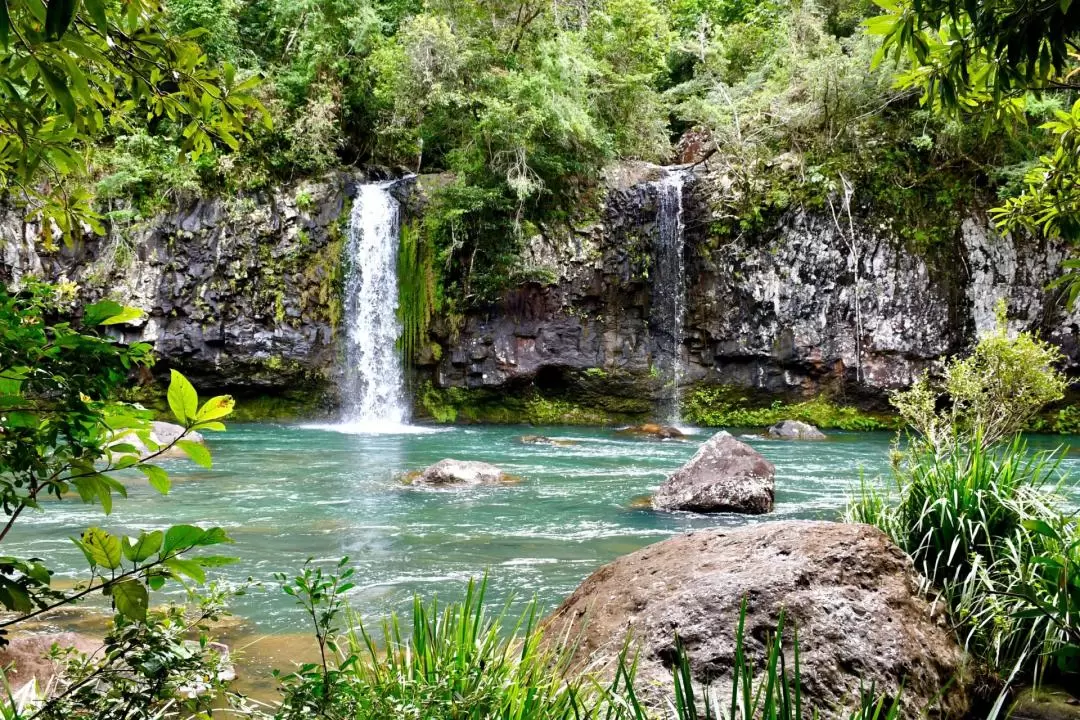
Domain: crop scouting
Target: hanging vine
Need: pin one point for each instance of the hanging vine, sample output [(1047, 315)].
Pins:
[(417, 295)]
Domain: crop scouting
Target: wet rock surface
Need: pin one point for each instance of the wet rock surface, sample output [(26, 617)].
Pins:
[(725, 475), (458, 474), (794, 430), (852, 594), (652, 430)]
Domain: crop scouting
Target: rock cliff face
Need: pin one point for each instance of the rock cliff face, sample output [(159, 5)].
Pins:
[(244, 294), (800, 308), (240, 293)]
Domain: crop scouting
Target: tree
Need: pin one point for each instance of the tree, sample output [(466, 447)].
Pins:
[(993, 55), (72, 69)]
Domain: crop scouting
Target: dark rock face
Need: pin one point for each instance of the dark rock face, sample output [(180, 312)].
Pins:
[(794, 430), (725, 475), (241, 293), (851, 593), (795, 309), (244, 295)]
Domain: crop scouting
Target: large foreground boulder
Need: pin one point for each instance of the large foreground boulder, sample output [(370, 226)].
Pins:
[(458, 473), (724, 476), (794, 430), (852, 594)]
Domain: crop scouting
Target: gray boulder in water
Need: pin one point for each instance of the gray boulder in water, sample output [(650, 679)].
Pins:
[(795, 430), (458, 473), (724, 476), (164, 434), (850, 592)]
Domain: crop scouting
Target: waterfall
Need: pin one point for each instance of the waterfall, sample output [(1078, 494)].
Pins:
[(669, 289), (372, 394)]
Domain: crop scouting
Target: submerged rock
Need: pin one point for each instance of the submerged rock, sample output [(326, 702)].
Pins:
[(795, 430), (664, 432), (724, 476), (458, 473), (30, 655), (164, 434), (1045, 703), (850, 592), (542, 440)]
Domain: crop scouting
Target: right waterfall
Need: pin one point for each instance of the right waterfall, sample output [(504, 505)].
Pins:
[(669, 289)]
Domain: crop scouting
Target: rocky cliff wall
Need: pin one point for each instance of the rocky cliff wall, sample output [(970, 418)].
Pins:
[(808, 306), (243, 294)]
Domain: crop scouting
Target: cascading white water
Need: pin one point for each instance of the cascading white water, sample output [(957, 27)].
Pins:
[(372, 394), (669, 288)]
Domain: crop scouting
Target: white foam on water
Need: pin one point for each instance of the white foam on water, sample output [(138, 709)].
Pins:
[(373, 427)]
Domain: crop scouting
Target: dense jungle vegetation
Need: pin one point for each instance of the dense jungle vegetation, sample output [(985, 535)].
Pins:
[(525, 102)]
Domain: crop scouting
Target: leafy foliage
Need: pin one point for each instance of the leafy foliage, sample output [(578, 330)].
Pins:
[(989, 396), (72, 69), (978, 512), (61, 431)]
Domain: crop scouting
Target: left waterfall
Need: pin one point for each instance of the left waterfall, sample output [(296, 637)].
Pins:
[(373, 398)]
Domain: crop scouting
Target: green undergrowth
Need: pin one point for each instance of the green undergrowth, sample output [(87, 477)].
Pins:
[(461, 405), (727, 406)]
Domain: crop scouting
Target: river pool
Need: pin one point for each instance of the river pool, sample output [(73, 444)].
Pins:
[(286, 493)]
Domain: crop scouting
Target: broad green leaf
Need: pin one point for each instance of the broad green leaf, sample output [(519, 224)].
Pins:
[(14, 597), (58, 15), (215, 408), (158, 478), (196, 451), (125, 316), (58, 88), (96, 8), (5, 24), (144, 546), (99, 312), (183, 400), (181, 537), (186, 567), (104, 549), (131, 598)]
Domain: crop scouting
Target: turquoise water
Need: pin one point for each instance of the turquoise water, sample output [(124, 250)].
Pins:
[(286, 493)]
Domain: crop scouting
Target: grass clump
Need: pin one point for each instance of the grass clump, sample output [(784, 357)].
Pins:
[(979, 513)]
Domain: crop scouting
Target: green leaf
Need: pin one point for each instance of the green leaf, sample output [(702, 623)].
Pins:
[(186, 567), (100, 311), (181, 537), (131, 598), (5, 24), (103, 549), (96, 8), (14, 597), (58, 17), (159, 479), (144, 546), (58, 88), (216, 407), (196, 451), (124, 316), (1041, 527), (183, 400)]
